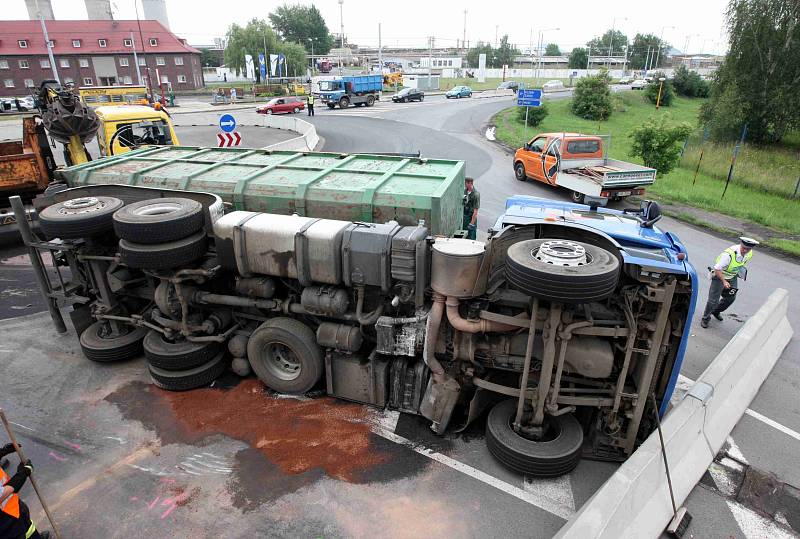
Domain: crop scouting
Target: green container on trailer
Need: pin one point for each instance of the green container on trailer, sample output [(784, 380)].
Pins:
[(349, 187)]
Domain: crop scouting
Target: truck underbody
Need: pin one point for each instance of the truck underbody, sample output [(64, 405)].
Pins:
[(572, 346)]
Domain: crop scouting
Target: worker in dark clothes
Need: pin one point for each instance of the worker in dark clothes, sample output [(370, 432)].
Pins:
[(472, 202), (725, 278), (15, 518), (311, 100)]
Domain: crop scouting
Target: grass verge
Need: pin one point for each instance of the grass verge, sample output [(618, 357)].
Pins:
[(742, 200)]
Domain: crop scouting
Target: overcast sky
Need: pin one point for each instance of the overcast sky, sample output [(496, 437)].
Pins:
[(410, 22)]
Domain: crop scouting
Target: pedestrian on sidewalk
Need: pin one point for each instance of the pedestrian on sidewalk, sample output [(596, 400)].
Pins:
[(725, 278), (311, 100), (233, 96), (15, 517)]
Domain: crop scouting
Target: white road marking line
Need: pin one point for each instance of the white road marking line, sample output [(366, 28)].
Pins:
[(755, 415), (734, 452), (754, 526), (558, 489), (536, 498)]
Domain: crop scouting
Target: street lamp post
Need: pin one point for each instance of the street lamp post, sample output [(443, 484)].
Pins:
[(661, 41), (660, 87), (539, 48), (611, 41), (311, 40), (341, 33)]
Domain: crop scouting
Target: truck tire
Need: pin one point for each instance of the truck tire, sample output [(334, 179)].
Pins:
[(79, 217), (344, 103), (285, 355), (577, 198), (370, 101), (158, 220), (556, 276), (519, 172), (190, 378), (163, 255), (98, 346), (179, 355), (558, 453)]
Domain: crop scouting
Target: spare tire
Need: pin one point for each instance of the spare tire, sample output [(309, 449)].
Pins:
[(559, 452), (167, 255), (565, 271), (191, 378), (178, 355), (79, 217), (159, 220)]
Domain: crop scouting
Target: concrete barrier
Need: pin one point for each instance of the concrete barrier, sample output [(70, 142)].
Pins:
[(306, 140), (635, 501), (494, 93)]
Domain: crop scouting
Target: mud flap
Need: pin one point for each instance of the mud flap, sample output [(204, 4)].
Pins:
[(439, 401)]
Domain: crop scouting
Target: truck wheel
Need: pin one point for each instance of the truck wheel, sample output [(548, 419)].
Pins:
[(178, 355), (519, 172), (99, 345), (370, 101), (189, 378), (167, 255), (566, 271), (79, 217), (577, 197), (557, 453), (158, 220), (344, 103), (285, 355)]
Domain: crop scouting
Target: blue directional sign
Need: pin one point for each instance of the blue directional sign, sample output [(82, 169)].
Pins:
[(529, 98), (227, 123)]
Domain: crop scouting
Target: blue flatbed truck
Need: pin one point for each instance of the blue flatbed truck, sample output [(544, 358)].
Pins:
[(568, 325), (359, 91)]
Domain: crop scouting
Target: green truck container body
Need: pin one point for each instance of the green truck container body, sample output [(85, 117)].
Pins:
[(349, 187)]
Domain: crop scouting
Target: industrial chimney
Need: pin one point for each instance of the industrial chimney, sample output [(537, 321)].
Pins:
[(156, 10), (45, 8), (98, 10)]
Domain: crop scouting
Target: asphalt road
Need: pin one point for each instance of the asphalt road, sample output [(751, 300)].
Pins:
[(461, 474)]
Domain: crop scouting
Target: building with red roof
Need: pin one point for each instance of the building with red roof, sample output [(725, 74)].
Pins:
[(96, 53)]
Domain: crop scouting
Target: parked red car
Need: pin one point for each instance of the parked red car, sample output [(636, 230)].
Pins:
[(282, 104)]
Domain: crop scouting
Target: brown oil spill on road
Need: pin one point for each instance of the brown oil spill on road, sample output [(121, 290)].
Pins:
[(292, 442)]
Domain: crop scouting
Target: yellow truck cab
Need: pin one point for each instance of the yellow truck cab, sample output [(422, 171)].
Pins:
[(127, 127)]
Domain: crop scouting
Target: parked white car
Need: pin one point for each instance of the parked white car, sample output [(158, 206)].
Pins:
[(552, 86), (639, 84), (625, 80)]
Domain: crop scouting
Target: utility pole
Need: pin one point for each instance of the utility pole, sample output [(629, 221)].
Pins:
[(49, 45), (646, 59), (661, 42), (496, 29), (380, 51), (464, 36), (588, 59), (136, 60), (625, 62), (530, 49), (341, 22), (430, 61)]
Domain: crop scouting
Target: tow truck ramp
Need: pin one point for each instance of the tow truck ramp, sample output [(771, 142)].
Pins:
[(635, 501)]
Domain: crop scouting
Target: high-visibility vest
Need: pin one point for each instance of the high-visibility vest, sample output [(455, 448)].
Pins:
[(311, 99), (733, 267), (10, 505)]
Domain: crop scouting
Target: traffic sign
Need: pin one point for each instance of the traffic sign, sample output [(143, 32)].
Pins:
[(227, 123), (226, 140), (529, 98)]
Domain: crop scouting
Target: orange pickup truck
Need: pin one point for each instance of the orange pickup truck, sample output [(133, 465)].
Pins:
[(579, 163)]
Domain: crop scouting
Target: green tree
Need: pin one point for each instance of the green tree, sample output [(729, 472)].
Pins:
[(552, 50), (667, 92), (757, 83), (300, 23), (535, 114), (251, 39), (604, 43), (592, 98), (474, 53), (504, 54), (658, 142), (644, 45), (578, 58), (296, 61), (689, 83), (210, 57)]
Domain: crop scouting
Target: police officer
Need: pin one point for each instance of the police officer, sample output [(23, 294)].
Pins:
[(311, 100), (724, 278), (15, 518), (472, 202)]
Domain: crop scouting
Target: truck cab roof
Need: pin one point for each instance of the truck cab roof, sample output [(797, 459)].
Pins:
[(113, 113)]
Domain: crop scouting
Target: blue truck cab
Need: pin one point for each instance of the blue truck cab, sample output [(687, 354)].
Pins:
[(649, 257), (345, 91)]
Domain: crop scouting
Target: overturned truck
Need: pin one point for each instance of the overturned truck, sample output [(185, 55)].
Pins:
[(568, 324)]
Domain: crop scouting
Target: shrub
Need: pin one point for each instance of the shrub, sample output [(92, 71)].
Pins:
[(656, 142), (689, 83), (667, 91), (535, 115), (592, 98)]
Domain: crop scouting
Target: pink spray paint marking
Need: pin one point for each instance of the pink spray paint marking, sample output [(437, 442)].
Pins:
[(74, 446), (172, 505), (153, 503), (57, 457)]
